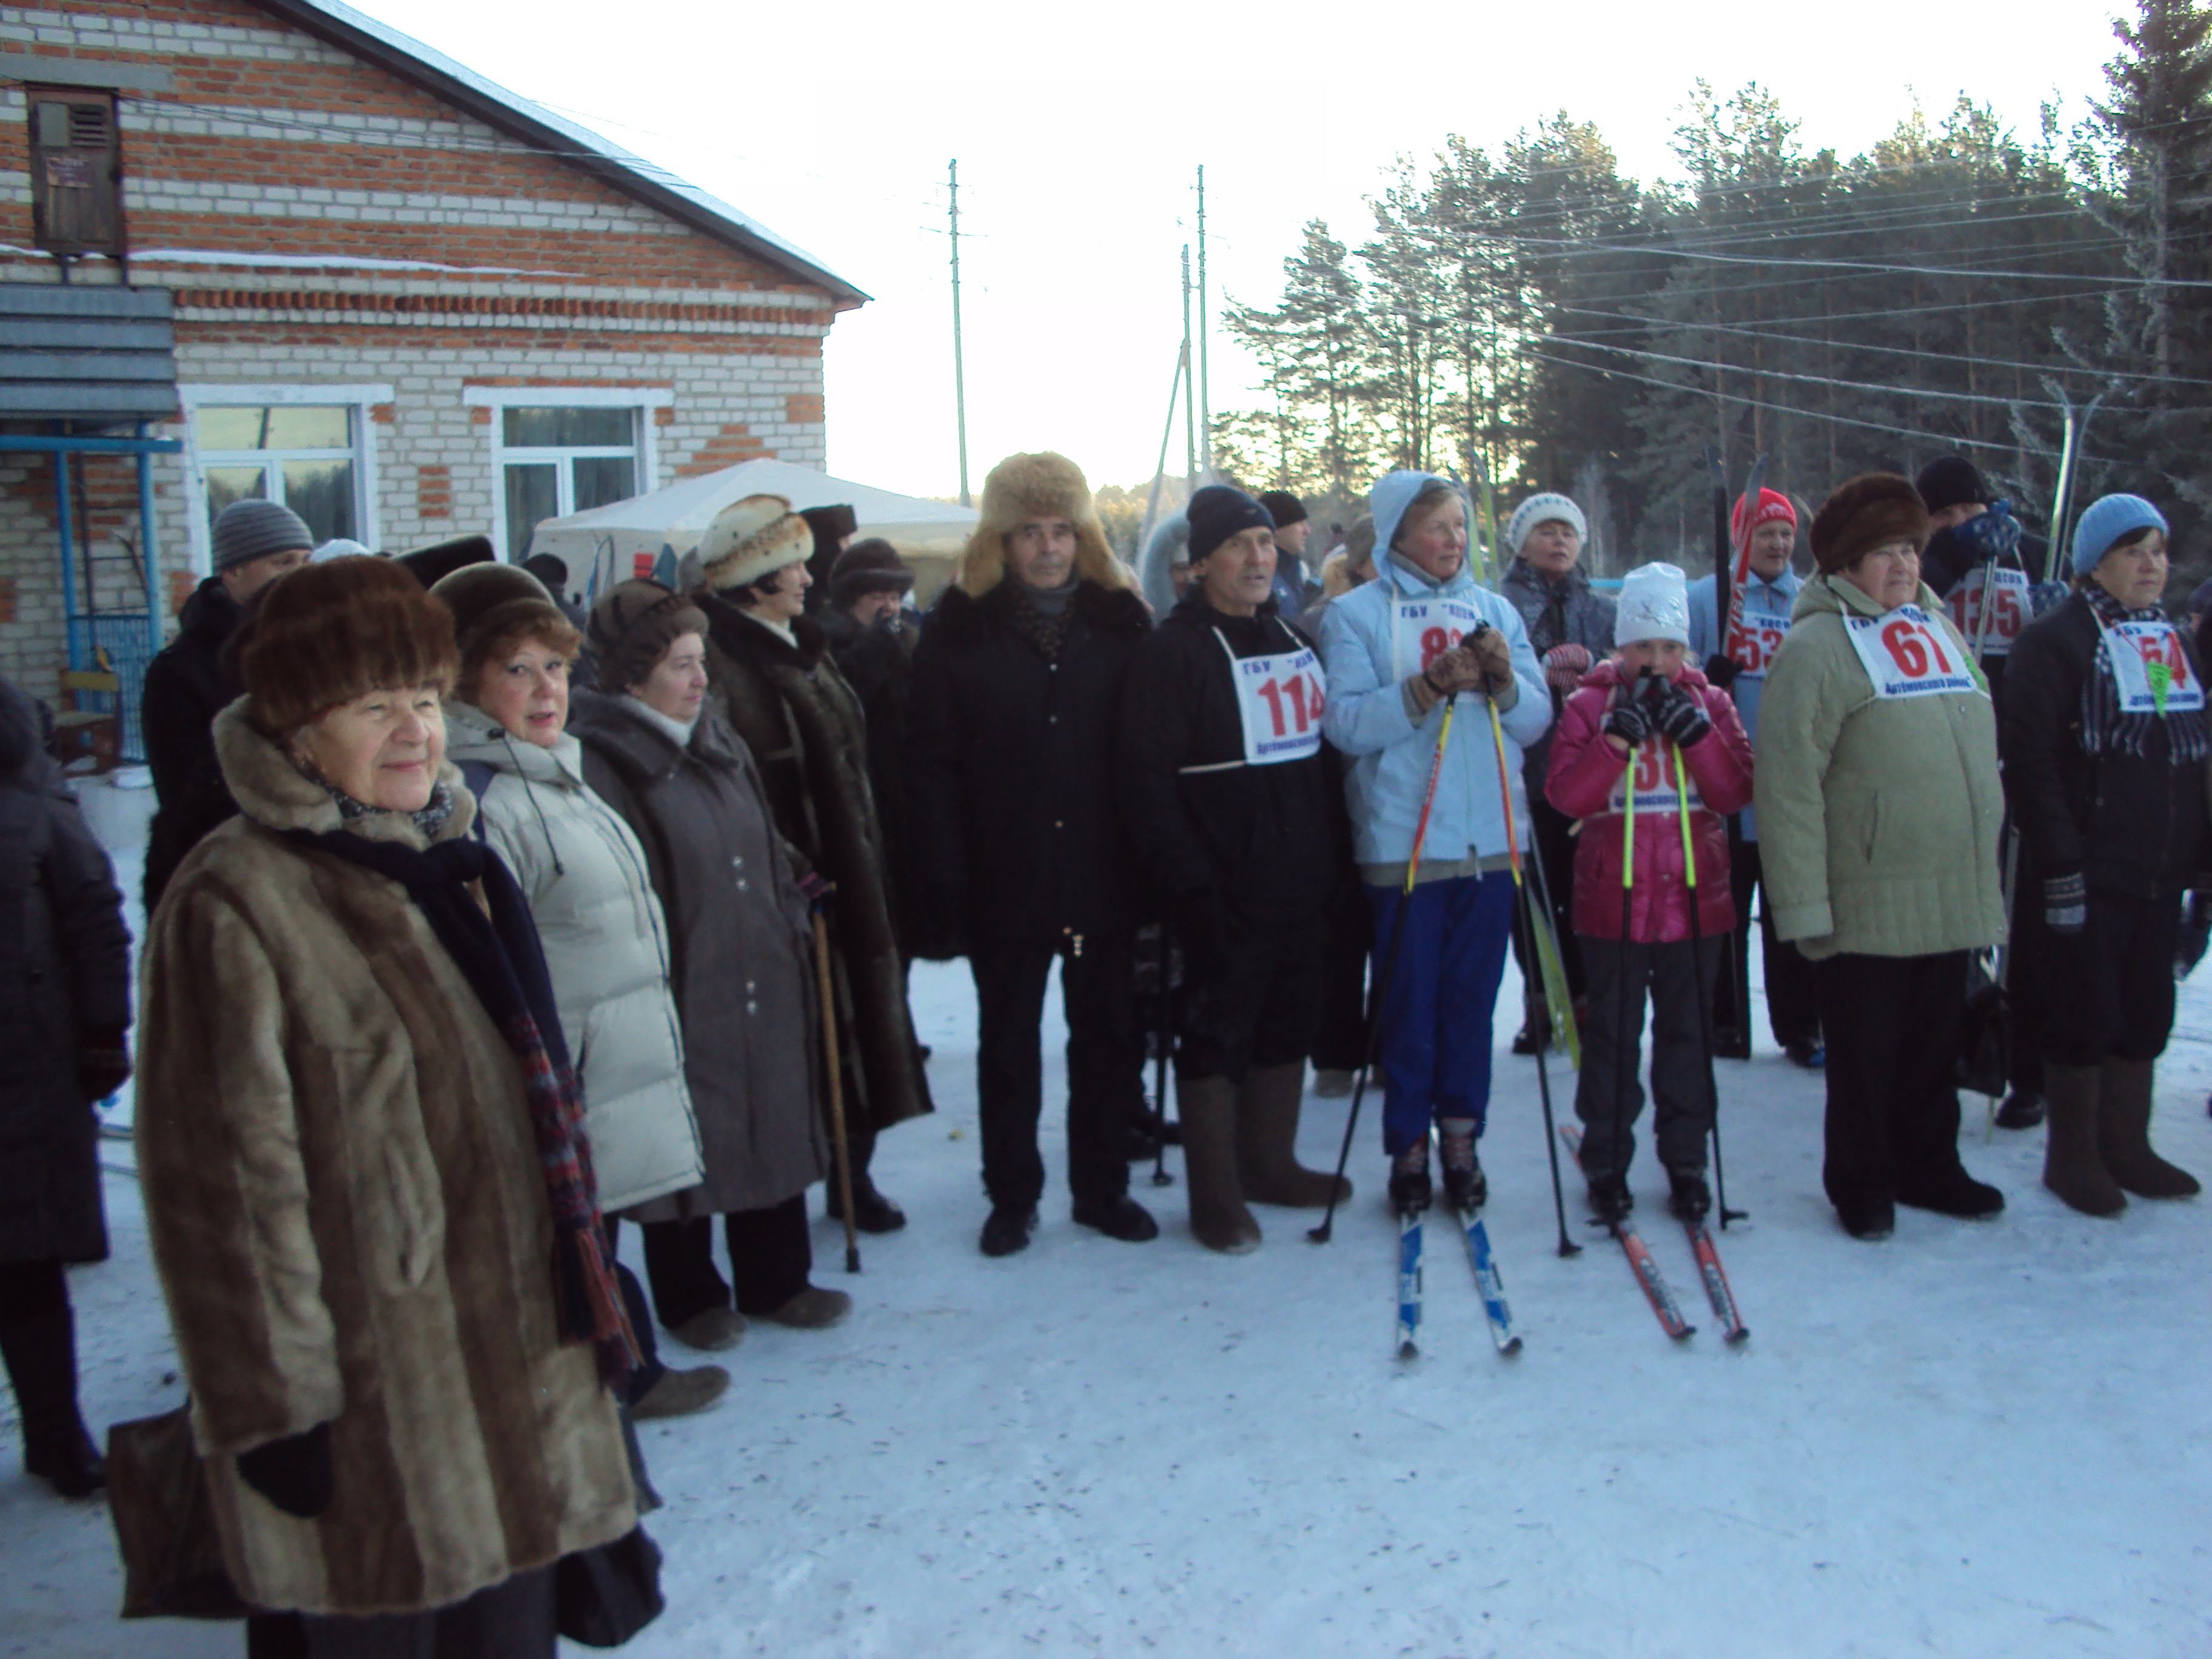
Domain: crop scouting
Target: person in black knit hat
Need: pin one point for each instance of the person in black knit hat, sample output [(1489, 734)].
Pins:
[(834, 528), (1292, 592)]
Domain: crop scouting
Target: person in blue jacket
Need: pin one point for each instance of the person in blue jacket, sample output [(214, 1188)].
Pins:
[(1769, 591), (1397, 650)]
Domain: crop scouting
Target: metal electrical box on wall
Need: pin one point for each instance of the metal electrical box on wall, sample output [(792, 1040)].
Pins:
[(77, 172)]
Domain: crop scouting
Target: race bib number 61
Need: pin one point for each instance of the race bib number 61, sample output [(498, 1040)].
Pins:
[(1907, 655)]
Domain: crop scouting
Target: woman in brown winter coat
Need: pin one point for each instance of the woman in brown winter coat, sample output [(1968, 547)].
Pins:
[(65, 1001), (663, 757), (771, 671), (366, 1185)]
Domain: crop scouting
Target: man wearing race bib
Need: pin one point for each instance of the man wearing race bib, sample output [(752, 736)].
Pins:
[(1397, 650), (2104, 763), (1639, 716), (1879, 810), (1226, 796), (1770, 589), (1982, 565)]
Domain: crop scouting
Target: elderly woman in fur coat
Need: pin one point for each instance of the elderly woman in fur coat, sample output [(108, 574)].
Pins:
[(772, 673), (367, 1192), (1016, 687)]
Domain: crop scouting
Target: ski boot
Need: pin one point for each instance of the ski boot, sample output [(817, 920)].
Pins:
[(1688, 1196), (1465, 1186), (1410, 1192), (1610, 1201)]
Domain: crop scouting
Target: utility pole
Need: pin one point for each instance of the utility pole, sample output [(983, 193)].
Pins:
[(1205, 384), (959, 368), (1190, 399)]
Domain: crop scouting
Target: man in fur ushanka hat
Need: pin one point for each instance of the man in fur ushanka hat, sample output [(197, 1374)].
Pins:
[(1016, 682)]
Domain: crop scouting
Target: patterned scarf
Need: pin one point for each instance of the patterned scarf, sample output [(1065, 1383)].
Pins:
[(499, 956), (1045, 629), (2106, 728), (430, 820)]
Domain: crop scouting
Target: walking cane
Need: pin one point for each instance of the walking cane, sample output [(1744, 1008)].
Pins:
[(1320, 1234), (1165, 1003), (1524, 915), (1704, 1022), (836, 1087)]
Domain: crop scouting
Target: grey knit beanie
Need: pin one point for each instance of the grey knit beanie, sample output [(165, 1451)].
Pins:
[(251, 530)]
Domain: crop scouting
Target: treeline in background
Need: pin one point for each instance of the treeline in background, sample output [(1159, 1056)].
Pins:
[(1534, 317)]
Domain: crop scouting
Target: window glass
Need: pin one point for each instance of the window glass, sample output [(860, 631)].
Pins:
[(602, 479), (569, 428), (321, 492), (226, 484), (533, 493), (273, 427)]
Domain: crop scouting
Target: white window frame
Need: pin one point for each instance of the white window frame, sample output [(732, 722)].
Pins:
[(640, 400), (358, 396)]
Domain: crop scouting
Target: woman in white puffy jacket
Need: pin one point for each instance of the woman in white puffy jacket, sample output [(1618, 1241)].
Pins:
[(585, 875)]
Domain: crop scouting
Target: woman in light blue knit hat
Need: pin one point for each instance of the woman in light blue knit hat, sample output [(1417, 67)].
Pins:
[(2106, 743)]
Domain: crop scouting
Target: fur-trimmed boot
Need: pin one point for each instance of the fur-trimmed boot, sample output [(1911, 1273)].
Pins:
[(1209, 1108), (1268, 1104), (2123, 1134), (41, 1358), (2072, 1166)]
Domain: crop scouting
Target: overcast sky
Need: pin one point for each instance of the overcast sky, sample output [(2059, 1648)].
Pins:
[(1078, 131)]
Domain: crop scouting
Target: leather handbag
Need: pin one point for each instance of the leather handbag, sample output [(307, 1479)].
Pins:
[(157, 1490)]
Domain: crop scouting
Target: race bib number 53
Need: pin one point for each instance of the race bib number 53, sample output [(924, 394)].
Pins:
[(1908, 656)]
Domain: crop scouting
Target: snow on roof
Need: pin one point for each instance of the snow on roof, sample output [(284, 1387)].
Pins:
[(660, 188)]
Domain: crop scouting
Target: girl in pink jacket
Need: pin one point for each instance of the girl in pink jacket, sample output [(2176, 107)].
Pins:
[(1652, 759)]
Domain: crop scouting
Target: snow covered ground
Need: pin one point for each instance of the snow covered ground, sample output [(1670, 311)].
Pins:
[(1970, 1439)]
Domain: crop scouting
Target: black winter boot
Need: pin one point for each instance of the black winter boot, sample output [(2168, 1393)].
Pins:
[(1212, 1118), (1610, 1201), (2072, 1166), (1465, 1187), (41, 1359), (2123, 1134), (1410, 1191), (1688, 1196), (872, 1211), (2023, 1108)]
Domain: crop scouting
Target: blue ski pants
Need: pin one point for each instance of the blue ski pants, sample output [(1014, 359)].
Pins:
[(1444, 988)]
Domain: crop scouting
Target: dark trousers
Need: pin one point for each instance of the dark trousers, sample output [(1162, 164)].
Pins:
[(1255, 1006), (771, 1252), (1793, 1005), (1609, 1098), (38, 1342), (1554, 833), (1105, 1064), (2027, 969), (1340, 1043), (1893, 1026), (513, 1620), (2119, 977), (648, 1369)]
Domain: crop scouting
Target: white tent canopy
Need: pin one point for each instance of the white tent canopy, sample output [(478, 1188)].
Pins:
[(601, 546)]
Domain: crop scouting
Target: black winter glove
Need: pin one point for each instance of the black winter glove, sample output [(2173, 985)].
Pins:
[(2066, 903), (1722, 670), (295, 1473), (1629, 721), (1681, 718), (103, 1065)]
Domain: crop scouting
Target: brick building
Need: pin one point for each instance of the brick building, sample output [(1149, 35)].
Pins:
[(405, 301)]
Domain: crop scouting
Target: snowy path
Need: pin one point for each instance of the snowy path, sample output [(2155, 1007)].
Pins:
[(1968, 1440)]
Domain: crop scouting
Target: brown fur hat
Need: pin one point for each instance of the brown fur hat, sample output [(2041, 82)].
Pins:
[(633, 623), (325, 634), (496, 607), (1864, 513), (1040, 486)]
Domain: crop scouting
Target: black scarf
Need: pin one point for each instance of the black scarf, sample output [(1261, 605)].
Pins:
[(501, 957)]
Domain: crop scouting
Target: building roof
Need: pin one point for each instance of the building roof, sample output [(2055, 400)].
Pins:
[(532, 124), (91, 354)]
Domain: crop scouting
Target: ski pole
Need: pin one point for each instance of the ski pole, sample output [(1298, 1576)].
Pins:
[(827, 989), (1704, 1023), (1524, 916), (1320, 1234), (1625, 1065)]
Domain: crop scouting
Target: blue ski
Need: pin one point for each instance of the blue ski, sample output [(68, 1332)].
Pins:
[(1488, 1282), (1409, 1283)]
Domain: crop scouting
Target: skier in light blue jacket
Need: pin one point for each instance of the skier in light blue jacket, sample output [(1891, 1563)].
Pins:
[(1396, 650)]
